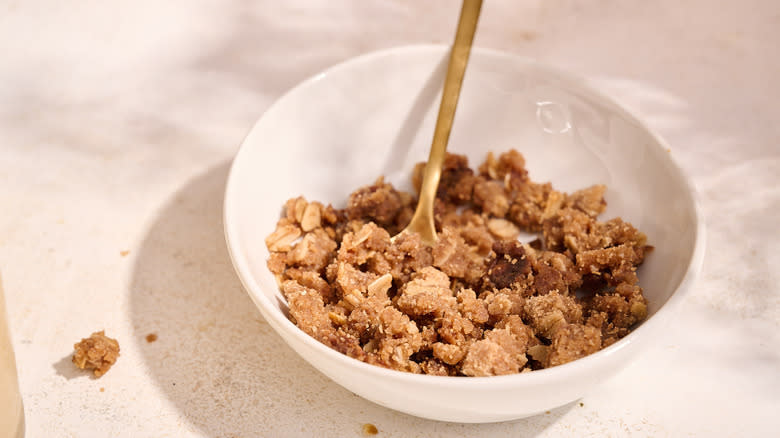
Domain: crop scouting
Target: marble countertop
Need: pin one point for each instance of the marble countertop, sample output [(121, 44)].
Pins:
[(118, 121)]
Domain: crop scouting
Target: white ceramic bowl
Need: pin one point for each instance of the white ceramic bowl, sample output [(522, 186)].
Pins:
[(375, 115)]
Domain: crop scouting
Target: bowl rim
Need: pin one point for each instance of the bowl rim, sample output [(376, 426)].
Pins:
[(537, 377)]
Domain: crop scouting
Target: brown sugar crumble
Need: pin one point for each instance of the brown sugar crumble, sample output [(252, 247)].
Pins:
[(124, 253), (370, 429), (97, 352), (476, 303), (151, 337)]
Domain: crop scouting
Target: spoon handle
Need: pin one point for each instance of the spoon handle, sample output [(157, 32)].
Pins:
[(459, 56)]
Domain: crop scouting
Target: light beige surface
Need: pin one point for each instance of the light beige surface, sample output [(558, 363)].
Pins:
[(117, 123)]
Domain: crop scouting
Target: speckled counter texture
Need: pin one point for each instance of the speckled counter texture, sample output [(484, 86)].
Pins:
[(118, 121)]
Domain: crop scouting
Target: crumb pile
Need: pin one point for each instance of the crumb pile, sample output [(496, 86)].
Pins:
[(97, 352), (478, 302)]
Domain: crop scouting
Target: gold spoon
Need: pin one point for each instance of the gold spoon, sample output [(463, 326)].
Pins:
[(422, 221)]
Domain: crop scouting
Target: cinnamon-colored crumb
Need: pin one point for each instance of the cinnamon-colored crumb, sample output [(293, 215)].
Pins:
[(571, 342), (97, 352), (476, 303), (369, 429)]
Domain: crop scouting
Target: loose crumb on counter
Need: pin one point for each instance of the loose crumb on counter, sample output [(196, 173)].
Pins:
[(478, 302), (369, 429), (97, 352), (151, 337), (124, 253)]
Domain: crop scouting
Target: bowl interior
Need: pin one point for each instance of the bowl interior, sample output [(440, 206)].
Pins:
[(375, 116)]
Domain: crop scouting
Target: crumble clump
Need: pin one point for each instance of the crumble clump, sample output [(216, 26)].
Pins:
[(476, 303), (97, 352)]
